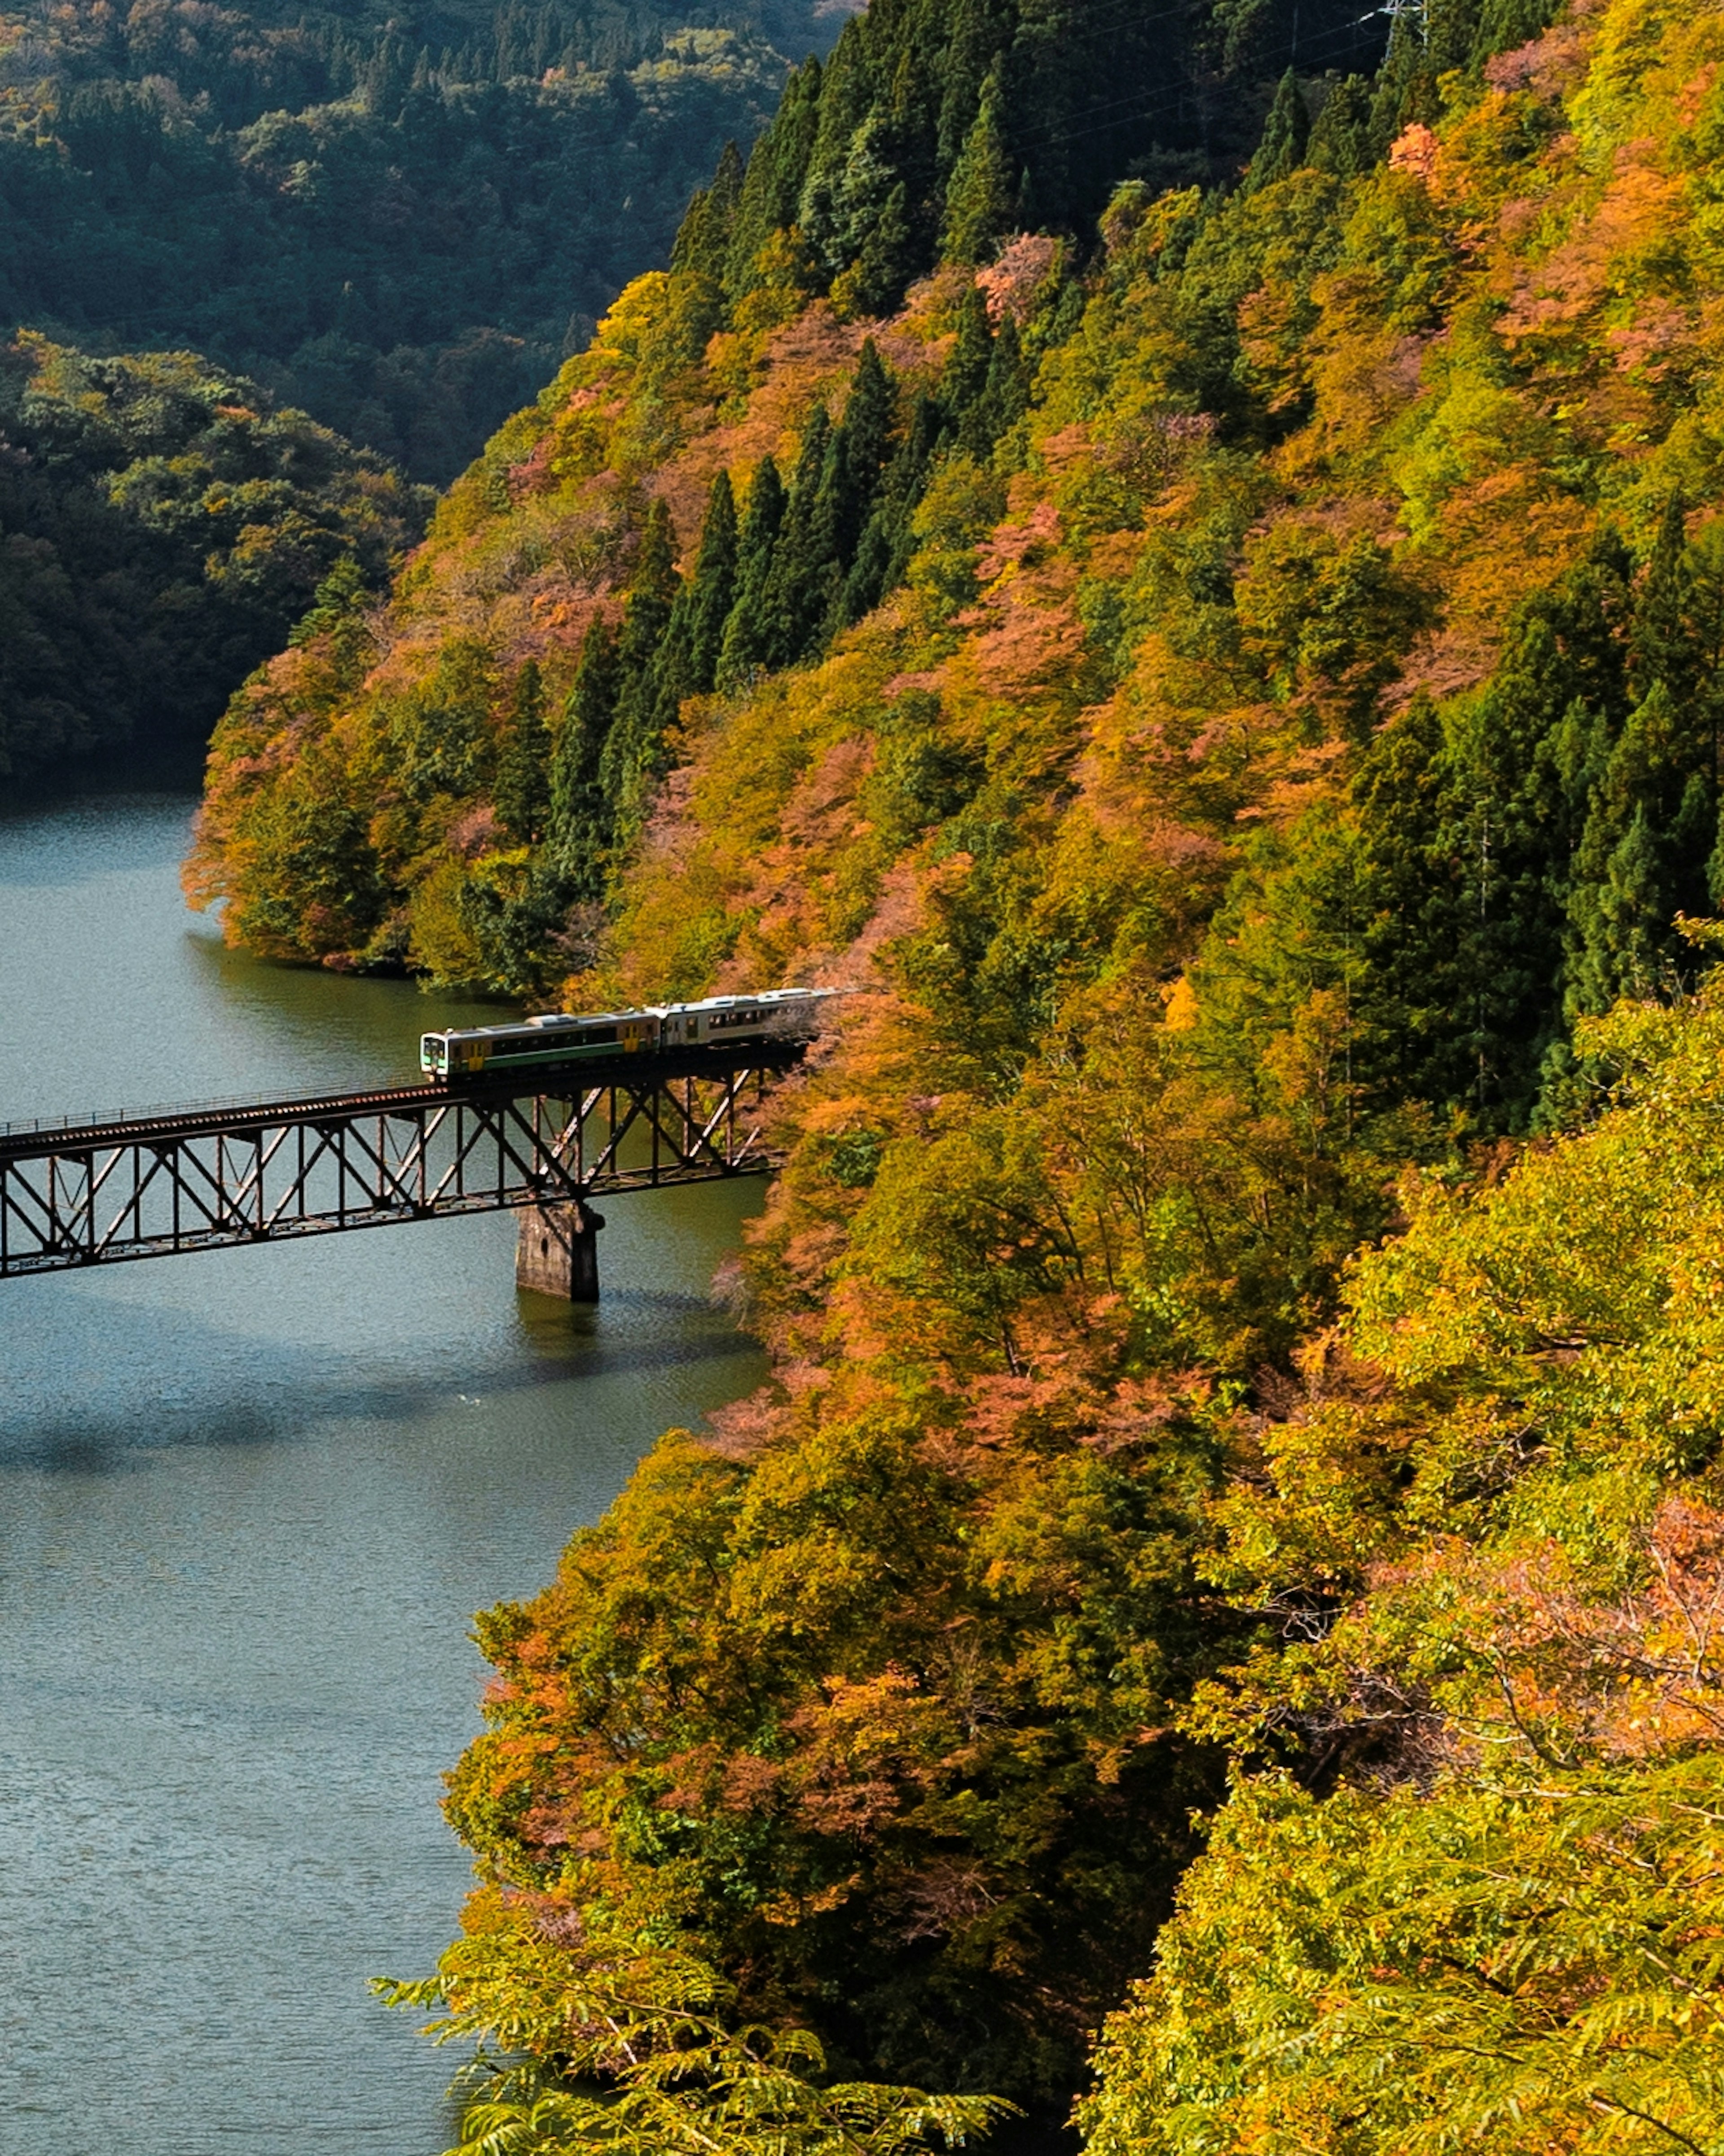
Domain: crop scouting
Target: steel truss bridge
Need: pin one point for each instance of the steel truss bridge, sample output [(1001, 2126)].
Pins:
[(101, 1192)]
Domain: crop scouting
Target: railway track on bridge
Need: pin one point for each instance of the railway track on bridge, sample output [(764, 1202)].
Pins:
[(110, 1188)]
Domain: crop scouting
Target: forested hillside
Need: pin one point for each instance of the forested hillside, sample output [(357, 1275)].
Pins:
[(162, 529), (1226, 677), (400, 221)]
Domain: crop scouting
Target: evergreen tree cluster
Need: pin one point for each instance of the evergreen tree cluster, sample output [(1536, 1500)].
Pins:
[(769, 587), (932, 130), (1524, 852)]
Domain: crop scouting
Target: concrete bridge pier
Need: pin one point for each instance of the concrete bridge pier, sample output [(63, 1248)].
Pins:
[(557, 1253)]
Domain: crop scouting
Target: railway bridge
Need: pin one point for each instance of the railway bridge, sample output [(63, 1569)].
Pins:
[(104, 1190)]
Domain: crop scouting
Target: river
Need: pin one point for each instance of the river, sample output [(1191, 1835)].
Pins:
[(248, 1502)]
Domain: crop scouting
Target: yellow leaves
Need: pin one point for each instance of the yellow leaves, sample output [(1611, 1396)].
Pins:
[(1180, 1014), (1519, 1965)]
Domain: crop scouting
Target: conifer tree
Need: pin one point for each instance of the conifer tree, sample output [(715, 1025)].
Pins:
[(746, 634), (652, 597), (883, 551), (691, 249), (1341, 137), (580, 828), (913, 114), (1406, 905), (847, 89), (1403, 90), (1644, 856), (687, 653), (982, 194), (875, 282), (703, 239), (726, 190), (1286, 133), (979, 32), (771, 187), (1484, 888), (1661, 645), (804, 574), (966, 376), (1005, 392), (860, 443), (712, 592), (522, 792)]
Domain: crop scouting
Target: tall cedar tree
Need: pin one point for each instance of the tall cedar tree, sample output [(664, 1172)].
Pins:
[(523, 782), (982, 196), (965, 381), (711, 591), (1286, 133), (580, 824), (684, 664), (1005, 392), (801, 583), (632, 744), (1339, 140), (746, 641), (864, 440), (884, 550)]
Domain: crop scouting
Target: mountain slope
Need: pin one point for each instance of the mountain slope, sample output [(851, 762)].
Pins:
[(164, 528), (1232, 708), (399, 225)]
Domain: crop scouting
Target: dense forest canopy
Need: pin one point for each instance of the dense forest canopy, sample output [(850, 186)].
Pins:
[(163, 528), (399, 221), (1213, 640), (401, 225)]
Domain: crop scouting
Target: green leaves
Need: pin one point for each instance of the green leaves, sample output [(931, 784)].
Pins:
[(1519, 1963), (587, 2001)]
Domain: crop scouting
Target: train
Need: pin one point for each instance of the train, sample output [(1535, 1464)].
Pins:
[(718, 1022)]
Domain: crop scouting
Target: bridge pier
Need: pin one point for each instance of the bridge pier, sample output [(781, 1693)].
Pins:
[(558, 1251)]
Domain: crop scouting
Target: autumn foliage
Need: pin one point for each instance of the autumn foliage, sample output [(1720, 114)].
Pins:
[(1241, 1282)]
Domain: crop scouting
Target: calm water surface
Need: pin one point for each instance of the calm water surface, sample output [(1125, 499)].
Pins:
[(249, 1501)]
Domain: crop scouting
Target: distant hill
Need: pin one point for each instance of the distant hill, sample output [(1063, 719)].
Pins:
[(161, 527), (402, 221)]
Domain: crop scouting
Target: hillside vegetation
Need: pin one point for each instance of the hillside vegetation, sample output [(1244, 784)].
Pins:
[(1230, 1553), (400, 221), (163, 528)]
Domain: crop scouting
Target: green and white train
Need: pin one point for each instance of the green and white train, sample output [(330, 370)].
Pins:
[(719, 1022)]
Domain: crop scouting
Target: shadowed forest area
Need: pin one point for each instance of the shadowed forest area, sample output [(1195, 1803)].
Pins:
[(401, 225)]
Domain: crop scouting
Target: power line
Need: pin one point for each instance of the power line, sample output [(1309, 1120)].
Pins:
[(1162, 99)]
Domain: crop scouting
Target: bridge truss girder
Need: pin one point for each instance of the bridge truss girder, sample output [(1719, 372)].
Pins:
[(105, 1196)]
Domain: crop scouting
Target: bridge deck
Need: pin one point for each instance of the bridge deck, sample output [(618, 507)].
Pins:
[(104, 1190)]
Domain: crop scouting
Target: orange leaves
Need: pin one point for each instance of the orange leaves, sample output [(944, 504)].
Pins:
[(1009, 282), (1628, 1675), (1414, 151), (1623, 243)]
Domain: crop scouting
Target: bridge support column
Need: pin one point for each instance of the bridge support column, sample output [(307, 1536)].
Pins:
[(557, 1253)]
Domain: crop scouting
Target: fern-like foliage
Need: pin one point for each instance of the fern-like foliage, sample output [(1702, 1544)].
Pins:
[(592, 2037)]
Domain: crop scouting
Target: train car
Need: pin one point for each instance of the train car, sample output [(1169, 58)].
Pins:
[(537, 1042), (722, 1019), (544, 1043)]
